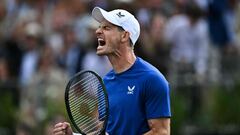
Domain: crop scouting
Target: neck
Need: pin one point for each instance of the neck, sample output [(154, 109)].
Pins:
[(122, 61)]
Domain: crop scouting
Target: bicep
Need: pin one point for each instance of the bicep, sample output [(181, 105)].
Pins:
[(159, 126), (157, 98)]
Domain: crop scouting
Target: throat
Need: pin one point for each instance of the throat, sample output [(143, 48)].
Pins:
[(121, 63)]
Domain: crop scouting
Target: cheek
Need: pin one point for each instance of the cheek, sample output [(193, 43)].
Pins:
[(114, 43), (114, 38)]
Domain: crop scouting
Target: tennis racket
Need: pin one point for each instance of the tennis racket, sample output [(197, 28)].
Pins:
[(87, 103)]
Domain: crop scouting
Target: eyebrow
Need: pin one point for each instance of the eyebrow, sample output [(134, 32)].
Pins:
[(111, 26), (120, 28), (104, 25)]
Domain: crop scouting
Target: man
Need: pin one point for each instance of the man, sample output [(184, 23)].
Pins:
[(138, 93)]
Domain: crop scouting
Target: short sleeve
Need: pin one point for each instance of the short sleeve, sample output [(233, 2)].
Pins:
[(157, 97)]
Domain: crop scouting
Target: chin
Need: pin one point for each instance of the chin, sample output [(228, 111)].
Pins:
[(100, 53)]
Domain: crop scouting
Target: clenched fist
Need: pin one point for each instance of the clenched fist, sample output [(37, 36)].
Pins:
[(62, 128)]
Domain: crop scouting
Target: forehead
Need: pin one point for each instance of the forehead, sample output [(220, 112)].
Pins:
[(107, 23)]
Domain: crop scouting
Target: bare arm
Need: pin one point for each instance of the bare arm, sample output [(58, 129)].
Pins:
[(159, 126)]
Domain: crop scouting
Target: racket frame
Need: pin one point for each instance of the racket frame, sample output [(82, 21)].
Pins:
[(102, 131)]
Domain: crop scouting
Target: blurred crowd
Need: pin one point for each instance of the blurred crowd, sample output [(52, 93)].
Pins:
[(43, 43)]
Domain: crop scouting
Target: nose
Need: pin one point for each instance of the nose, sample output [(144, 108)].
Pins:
[(98, 31)]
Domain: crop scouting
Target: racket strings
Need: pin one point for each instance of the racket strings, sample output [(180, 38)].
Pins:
[(86, 90), (88, 93), (80, 80), (85, 98), (92, 127), (101, 108), (90, 103), (85, 93), (75, 113)]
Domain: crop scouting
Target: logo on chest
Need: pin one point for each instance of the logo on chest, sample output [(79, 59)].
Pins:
[(130, 90)]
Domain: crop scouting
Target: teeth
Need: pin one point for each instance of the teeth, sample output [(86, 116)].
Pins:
[(100, 39)]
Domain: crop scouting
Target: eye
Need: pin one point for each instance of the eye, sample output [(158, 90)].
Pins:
[(106, 27)]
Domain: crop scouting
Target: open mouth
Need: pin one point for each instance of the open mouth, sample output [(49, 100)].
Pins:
[(101, 42)]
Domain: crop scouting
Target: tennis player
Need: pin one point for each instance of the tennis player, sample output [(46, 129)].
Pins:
[(139, 101)]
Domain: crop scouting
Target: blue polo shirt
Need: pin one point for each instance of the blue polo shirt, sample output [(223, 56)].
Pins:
[(136, 95)]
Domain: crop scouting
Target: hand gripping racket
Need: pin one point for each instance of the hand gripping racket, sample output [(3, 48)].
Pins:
[(87, 103)]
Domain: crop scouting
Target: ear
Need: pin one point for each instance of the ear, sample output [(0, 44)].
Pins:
[(125, 37)]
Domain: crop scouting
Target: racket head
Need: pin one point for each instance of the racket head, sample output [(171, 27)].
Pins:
[(87, 103)]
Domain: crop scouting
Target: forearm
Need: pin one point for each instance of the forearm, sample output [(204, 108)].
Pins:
[(159, 126), (159, 132)]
